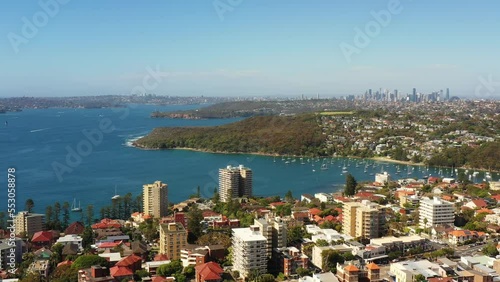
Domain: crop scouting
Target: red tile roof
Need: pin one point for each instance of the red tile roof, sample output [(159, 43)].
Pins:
[(118, 271), (351, 268), (42, 236), (107, 245), (161, 257), (209, 271), (76, 228), (128, 261), (484, 210), (314, 211), (66, 262), (159, 279), (480, 203), (373, 266)]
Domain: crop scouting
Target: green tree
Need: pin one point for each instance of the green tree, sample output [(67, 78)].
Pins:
[(215, 197), (65, 215), (57, 215), (189, 271), (90, 215), (266, 278), (141, 273), (30, 204), (322, 243), (490, 250), (56, 256), (289, 197), (174, 267), (419, 278), (49, 214), (330, 259), (303, 272), (86, 261), (87, 237), (350, 185), (64, 273), (295, 233), (195, 216)]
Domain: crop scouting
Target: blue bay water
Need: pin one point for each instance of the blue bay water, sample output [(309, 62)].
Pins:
[(36, 139)]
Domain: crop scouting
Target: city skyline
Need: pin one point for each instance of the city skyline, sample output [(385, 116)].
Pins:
[(247, 48)]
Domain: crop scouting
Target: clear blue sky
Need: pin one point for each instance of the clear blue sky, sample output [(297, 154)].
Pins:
[(260, 47)]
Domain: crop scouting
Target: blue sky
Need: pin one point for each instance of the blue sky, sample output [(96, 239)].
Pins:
[(257, 47)]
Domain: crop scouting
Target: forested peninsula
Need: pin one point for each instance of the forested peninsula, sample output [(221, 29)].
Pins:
[(273, 135)]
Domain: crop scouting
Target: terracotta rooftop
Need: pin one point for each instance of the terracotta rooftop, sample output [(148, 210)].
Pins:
[(351, 268)]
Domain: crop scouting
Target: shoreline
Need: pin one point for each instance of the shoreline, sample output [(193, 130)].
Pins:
[(389, 160), (377, 159)]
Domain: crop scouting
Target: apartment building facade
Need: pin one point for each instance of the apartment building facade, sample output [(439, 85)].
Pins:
[(173, 238), (249, 251), (363, 220), (155, 199), (29, 223), (435, 211), (235, 182)]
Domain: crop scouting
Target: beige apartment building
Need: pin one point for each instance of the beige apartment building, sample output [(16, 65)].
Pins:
[(173, 238), (274, 230), (235, 182), (155, 199), (29, 223), (363, 219)]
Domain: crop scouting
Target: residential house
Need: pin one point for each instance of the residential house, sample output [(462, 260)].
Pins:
[(208, 272), (461, 236)]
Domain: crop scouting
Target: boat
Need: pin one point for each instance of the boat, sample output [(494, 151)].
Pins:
[(116, 196), (74, 208), (324, 167)]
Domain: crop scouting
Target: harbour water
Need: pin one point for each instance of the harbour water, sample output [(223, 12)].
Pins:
[(38, 143)]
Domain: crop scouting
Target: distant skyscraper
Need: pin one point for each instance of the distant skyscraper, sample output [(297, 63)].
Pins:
[(234, 182), (414, 95), (447, 94), (155, 199)]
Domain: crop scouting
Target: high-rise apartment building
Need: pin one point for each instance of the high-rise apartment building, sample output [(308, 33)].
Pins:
[(274, 230), (435, 211), (173, 238), (235, 182), (155, 199), (29, 223), (363, 219), (249, 251)]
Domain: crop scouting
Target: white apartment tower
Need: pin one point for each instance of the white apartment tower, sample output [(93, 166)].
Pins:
[(435, 211), (155, 199), (249, 251), (234, 182)]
